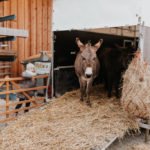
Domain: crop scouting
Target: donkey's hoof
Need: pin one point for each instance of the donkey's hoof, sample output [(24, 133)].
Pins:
[(81, 99), (89, 104)]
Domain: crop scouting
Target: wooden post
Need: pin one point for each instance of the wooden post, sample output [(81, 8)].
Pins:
[(147, 130), (7, 98)]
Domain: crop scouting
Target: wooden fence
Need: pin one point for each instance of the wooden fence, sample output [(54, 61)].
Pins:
[(12, 81)]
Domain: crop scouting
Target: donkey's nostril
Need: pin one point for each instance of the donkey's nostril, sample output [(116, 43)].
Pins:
[(88, 75)]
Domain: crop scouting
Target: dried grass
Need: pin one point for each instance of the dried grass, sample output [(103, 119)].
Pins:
[(139, 147), (136, 95), (67, 124)]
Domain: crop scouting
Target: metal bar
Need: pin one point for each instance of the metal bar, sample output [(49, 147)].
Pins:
[(64, 67), (8, 38), (52, 61), (7, 18)]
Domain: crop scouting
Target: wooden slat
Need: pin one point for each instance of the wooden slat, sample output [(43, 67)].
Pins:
[(7, 12), (23, 90), (8, 53), (49, 28), (145, 126), (17, 110), (44, 44), (14, 45), (1, 12), (19, 88), (7, 119), (7, 98), (39, 23), (22, 102), (32, 57), (20, 21), (21, 78), (27, 21), (33, 27)]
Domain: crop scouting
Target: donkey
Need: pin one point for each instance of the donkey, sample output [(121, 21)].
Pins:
[(87, 67)]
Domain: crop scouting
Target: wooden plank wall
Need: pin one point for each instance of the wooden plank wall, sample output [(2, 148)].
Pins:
[(34, 16)]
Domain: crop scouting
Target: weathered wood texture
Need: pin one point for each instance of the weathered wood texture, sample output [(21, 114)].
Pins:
[(34, 16)]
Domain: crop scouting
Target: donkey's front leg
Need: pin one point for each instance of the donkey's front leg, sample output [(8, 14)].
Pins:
[(82, 88), (88, 88)]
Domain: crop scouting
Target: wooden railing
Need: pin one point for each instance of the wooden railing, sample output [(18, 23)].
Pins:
[(12, 81)]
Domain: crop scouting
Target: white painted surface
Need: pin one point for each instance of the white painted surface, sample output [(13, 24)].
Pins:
[(13, 32), (145, 47), (81, 14)]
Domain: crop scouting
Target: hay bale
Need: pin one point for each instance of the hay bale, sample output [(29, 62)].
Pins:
[(135, 98)]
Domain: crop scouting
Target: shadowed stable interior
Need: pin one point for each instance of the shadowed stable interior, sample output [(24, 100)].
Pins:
[(65, 50)]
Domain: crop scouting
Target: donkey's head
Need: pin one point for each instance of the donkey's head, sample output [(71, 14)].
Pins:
[(88, 56)]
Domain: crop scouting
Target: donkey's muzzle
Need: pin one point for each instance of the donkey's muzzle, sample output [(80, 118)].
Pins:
[(88, 75)]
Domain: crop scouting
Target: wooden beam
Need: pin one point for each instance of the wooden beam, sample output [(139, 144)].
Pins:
[(145, 126), (16, 110), (8, 119), (6, 53), (13, 32), (32, 57), (21, 102), (21, 78), (23, 90)]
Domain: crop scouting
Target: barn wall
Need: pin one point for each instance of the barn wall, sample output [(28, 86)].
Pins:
[(34, 16)]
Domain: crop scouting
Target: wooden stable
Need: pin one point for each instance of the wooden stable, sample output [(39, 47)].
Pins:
[(34, 16)]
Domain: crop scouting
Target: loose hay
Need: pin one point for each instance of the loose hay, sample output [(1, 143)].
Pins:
[(135, 94), (139, 147), (67, 124)]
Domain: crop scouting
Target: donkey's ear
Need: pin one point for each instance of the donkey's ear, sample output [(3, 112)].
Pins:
[(80, 44), (97, 45)]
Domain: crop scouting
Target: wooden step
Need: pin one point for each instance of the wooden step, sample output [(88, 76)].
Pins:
[(6, 55)]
